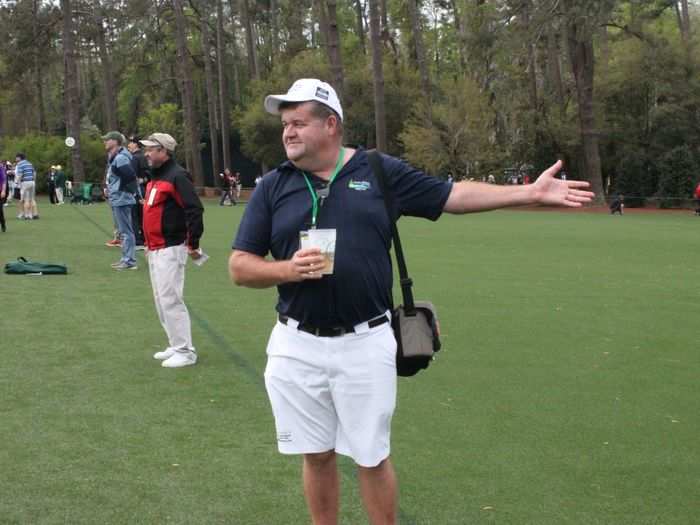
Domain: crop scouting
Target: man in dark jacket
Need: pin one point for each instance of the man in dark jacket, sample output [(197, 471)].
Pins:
[(51, 185), (617, 205), (3, 196), (172, 226), (60, 184), (143, 175)]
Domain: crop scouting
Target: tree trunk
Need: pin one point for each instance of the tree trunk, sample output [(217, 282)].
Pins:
[(359, 17), (295, 24), (38, 77), (234, 48), (377, 77), (223, 85), (334, 54), (417, 30), (250, 40), (319, 6), (554, 67), (163, 75), (461, 35), (109, 98), (274, 30), (581, 55), (211, 93), (72, 92), (192, 131), (39, 83), (383, 13), (604, 50), (531, 62), (683, 16)]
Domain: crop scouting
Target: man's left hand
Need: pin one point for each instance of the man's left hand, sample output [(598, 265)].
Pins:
[(195, 254), (555, 192)]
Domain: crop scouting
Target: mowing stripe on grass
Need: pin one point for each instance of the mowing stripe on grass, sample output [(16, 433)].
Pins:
[(346, 468), (240, 361), (92, 221)]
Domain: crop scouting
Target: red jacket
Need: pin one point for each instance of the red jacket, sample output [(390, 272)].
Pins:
[(697, 191), (172, 211)]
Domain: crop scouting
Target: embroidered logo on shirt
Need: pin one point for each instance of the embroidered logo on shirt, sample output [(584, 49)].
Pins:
[(359, 185), (284, 437)]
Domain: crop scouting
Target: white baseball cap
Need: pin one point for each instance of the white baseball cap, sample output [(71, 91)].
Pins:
[(306, 90)]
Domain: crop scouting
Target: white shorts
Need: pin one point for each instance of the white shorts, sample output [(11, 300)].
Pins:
[(27, 191), (333, 393)]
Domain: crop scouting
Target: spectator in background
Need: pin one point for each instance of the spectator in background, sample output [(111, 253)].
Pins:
[(228, 181), (17, 193), (121, 185), (696, 194), (617, 205), (26, 174), (60, 184), (172, 222), (238, 184), (9, 181), (51, 185), (3, 196), (143, 175)]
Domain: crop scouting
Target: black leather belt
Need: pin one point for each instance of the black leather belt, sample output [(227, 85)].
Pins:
[(332, 331)]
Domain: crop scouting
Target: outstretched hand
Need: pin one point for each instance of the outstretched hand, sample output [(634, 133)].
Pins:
[(554, 192)]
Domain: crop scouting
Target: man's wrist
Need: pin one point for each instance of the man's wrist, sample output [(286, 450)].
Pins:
[(286, 273), (532, 195)]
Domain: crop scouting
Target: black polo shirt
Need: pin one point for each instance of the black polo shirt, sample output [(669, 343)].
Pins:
[(360, 287)]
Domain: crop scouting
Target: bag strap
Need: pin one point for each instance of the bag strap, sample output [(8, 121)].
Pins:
[(375, 161)]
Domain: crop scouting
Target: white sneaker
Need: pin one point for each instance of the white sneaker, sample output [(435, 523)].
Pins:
[(180, 359), (165, 354)]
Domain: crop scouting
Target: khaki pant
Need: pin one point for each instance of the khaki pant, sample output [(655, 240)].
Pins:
[(167, 270)]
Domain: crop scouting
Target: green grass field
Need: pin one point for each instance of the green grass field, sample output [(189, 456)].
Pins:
[(567, 391)]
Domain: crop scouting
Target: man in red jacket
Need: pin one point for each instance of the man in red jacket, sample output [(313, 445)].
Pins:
[(696, 194), (172, 227)]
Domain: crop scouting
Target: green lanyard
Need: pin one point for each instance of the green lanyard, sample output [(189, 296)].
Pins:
[(314, 195)]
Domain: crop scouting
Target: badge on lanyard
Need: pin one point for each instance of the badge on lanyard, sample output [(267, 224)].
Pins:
[(322, 238), (319, 196)]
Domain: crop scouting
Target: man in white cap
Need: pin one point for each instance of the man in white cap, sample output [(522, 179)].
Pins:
[(172, 227), (331, 369)]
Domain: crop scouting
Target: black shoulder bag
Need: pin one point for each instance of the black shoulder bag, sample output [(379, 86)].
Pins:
[(415, 324)]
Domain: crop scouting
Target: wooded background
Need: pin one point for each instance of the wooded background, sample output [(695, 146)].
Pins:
[(461, 87)]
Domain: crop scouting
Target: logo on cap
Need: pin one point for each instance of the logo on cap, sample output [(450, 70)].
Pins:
[(322, 93)]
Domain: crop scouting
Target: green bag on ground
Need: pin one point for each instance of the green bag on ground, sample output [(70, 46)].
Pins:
[(23, 266)]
